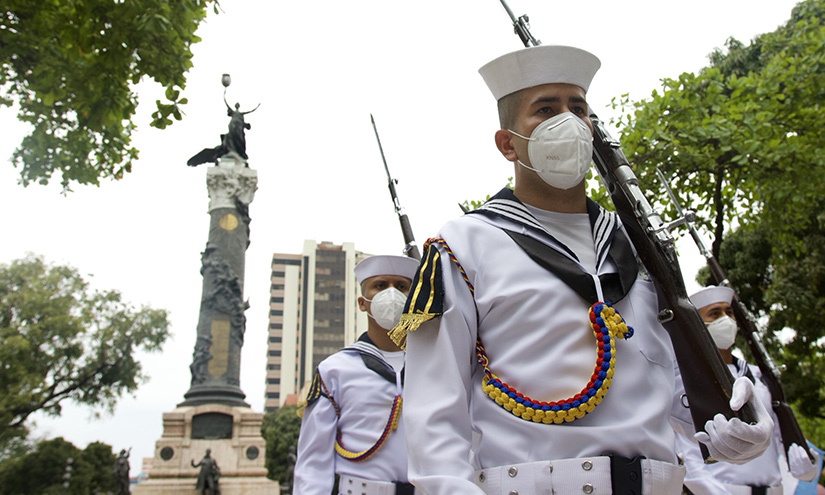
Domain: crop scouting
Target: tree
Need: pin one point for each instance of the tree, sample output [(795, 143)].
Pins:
[(101, 459), (740, 140), (43, 470), (60, 340), (741, 143), (71, 67), (280, 429)]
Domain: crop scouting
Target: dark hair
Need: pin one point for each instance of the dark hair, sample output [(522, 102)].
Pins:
[(508, 109)]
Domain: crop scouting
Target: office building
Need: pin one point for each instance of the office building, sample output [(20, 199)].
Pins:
[(312, 313)]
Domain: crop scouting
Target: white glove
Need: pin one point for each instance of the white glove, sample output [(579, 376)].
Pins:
[(801, 466), (732, 440)]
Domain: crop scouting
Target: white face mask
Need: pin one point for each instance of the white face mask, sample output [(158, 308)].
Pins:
[(723, 331), (387, 307), (560, 150)]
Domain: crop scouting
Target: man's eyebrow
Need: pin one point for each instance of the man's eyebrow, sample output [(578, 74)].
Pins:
[(546, 99), (556, 99)]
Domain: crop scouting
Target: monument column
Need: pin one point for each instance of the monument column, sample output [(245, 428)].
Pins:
[(214, 424), (216, 360)]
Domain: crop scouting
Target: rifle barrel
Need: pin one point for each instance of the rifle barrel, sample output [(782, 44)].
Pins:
[(410, 247)]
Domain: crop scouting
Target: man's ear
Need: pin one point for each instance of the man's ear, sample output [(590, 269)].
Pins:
[(504, 143), (362, 303)]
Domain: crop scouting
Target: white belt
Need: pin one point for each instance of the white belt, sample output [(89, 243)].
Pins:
[(585, 475), (747, 490), (353, 485)]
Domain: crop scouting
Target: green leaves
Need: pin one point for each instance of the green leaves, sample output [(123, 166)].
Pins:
[(59, 340), (70, 67), (41, 469), (741, 143), (740, 136), (280, 429)]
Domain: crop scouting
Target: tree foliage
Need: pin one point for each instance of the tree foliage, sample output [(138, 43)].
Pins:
[(740, 142), (60, 340), (789, 293), (43, 470), (280, 429), (71, 67)]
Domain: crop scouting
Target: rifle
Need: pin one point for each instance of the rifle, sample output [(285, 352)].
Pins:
[(410, 248), (707, 380), (788, 426)]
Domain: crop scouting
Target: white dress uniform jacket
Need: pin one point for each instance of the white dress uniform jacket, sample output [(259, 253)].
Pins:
[(762, 471), (365, 400), (536, 332)]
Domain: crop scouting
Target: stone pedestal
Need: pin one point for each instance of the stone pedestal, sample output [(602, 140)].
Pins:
[(233, 434)]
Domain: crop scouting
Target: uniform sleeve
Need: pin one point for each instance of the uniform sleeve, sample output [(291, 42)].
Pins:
[(764, 395), (440, 360), (314, 472), (698, 479)]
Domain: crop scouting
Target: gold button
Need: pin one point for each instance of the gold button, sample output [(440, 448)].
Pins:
[(513, 492), (550, 466), (481, 477), (587, 465), (587, 488), (513, 471)]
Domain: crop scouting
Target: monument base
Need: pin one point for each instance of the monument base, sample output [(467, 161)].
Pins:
[(233, 436)]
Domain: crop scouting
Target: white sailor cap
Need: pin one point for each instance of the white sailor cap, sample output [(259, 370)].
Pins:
[(403, 266), (711, 295), (538, 65)]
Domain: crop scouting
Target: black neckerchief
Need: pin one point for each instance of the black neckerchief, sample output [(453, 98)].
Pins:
[(557, 258), (378, 366), (738, 364)]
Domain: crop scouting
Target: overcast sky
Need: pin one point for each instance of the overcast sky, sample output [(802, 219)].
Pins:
[(319, 68)]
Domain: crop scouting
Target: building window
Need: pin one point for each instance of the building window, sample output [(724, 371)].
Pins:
[(273, 381), (277, 287), (273, 395), (273, 300), (274, 340), (275, 353), (276, 312), (276, 326)]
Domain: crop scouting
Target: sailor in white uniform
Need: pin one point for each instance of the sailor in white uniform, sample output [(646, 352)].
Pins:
[(508, 358), (761, 475), (352, 423)]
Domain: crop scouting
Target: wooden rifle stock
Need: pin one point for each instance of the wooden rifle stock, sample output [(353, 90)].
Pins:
[(706, 378)]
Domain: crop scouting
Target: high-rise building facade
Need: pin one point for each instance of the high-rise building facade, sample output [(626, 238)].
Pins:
[(312, 313)]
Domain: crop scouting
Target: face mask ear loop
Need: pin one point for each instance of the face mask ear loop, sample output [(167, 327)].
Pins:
[(526, 139), (519, 135)]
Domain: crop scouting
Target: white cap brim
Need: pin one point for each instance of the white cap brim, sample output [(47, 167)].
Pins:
[(402, 266), (537, 65), (711, 295)]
